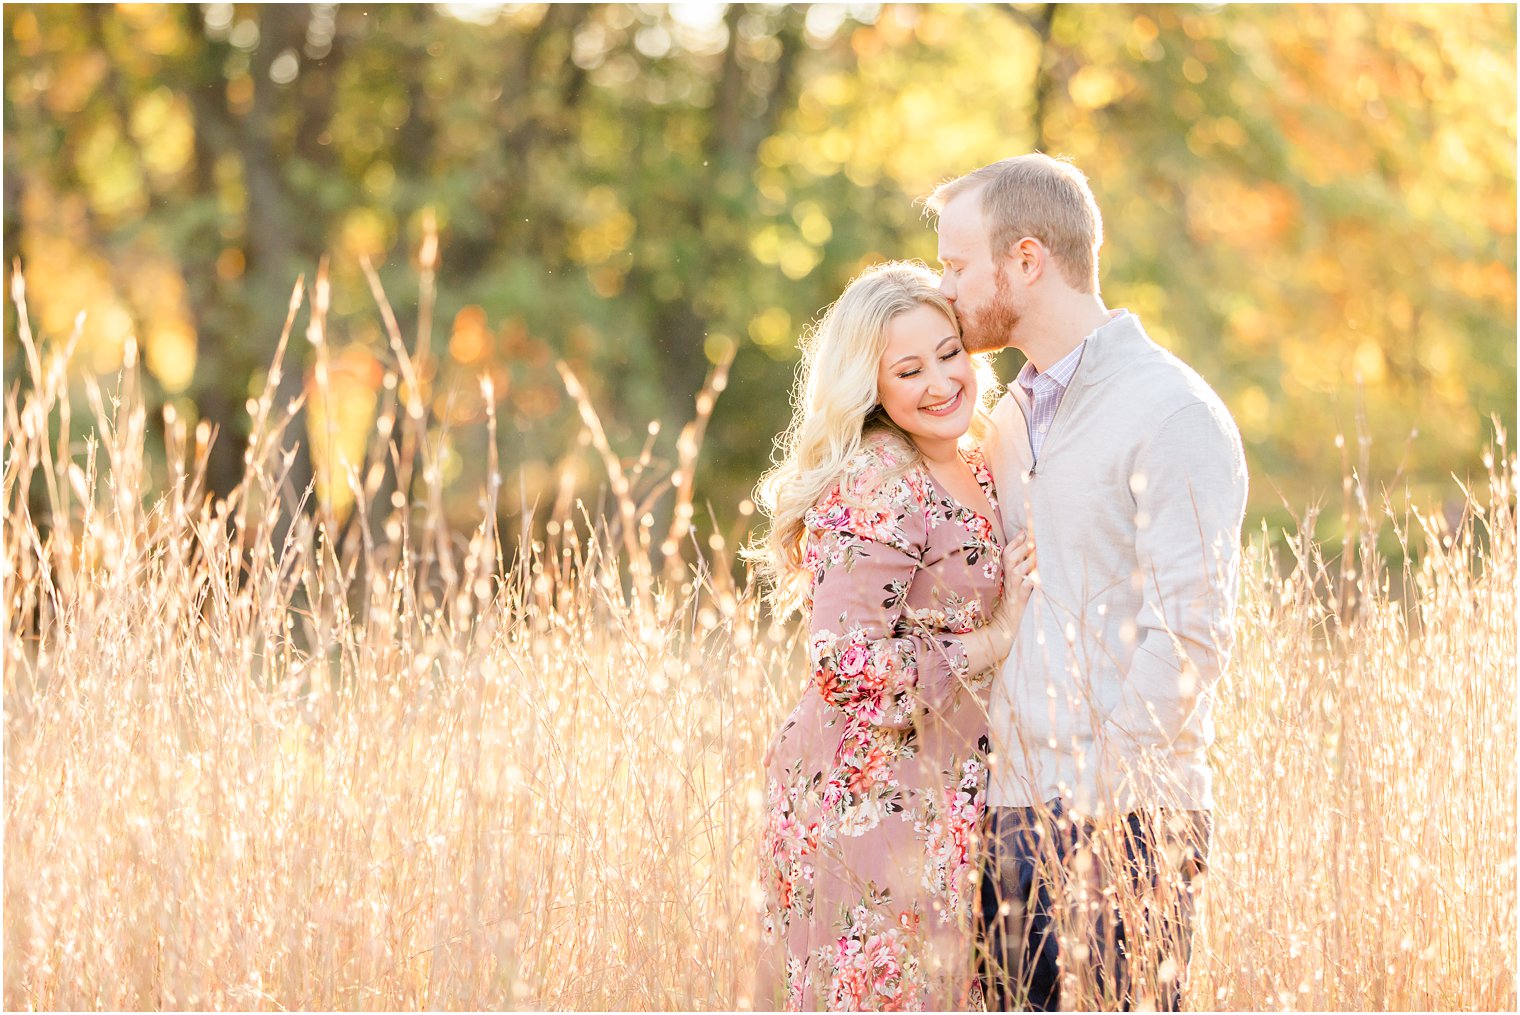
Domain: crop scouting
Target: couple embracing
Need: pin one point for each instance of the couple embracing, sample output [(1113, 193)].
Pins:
[(995, 791)]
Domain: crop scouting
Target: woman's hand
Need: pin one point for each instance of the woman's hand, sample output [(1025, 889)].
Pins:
[(991, 644), (1021, 577)]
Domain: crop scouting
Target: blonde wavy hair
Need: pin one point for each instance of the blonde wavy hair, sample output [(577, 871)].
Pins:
[(836, 408)]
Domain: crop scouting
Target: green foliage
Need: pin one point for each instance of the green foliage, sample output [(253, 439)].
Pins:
[(1314, 206)]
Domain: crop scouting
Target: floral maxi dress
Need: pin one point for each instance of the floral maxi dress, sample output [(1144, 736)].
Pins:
[(876, 781)]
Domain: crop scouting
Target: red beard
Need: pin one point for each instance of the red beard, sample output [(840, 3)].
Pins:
[(991, 327)]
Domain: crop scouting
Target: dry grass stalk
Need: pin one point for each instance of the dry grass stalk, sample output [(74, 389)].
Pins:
[(241, 775)]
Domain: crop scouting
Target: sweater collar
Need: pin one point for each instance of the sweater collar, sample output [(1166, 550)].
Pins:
[(1111, 347)]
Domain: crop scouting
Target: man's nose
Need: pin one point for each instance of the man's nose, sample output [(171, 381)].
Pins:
[(946, 288)]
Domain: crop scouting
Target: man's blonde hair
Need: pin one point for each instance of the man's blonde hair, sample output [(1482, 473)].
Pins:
[(1036, 195)]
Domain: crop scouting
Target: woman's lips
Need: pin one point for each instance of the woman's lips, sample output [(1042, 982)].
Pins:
[(946, 408)]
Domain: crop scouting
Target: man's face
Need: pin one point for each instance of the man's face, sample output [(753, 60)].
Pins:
[(974, 282)]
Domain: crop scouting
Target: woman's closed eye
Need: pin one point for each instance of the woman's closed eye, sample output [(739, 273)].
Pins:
[(943, 359)]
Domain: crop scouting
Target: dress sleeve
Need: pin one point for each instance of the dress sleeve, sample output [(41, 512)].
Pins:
[(865, 547)]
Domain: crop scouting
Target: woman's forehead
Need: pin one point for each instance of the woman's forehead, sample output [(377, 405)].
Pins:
[(916, 332)]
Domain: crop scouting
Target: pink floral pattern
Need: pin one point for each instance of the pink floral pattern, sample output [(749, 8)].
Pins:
[(877, 779), (948, 827), (874, 964)]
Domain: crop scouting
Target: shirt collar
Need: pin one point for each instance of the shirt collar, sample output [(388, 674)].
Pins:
[(1060, 372)]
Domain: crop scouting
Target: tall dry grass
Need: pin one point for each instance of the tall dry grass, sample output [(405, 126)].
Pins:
[(1364, 853), (403, 768)]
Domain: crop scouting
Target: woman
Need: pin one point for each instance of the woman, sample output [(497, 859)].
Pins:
[(883, 526)]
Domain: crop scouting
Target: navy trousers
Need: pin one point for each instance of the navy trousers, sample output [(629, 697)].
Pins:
[(1118, 896)]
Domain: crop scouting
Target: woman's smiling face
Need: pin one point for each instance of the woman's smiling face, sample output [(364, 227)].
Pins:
[(925, 381)]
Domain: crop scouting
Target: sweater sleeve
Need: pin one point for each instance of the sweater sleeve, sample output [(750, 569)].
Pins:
[(1189, 487), (866, 659)]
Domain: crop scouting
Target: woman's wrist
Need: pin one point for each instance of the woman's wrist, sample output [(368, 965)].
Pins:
[(987, 646)]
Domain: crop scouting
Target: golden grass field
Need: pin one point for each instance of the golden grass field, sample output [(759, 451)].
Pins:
[(418, 769)]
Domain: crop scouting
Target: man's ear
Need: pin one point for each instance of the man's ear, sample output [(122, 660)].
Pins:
[(1028, 259)]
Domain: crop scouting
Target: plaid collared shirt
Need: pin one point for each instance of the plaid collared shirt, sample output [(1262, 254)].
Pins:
[(1045, 391)]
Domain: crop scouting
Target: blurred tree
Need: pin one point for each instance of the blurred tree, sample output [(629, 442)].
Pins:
[(1315, 206)]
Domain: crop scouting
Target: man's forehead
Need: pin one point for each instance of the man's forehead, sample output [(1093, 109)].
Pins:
[(960, 220)]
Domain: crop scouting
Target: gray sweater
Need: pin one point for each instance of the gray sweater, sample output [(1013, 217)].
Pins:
[(1136, 505)]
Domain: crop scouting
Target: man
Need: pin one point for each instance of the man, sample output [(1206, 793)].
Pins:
[(1127, 472)]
